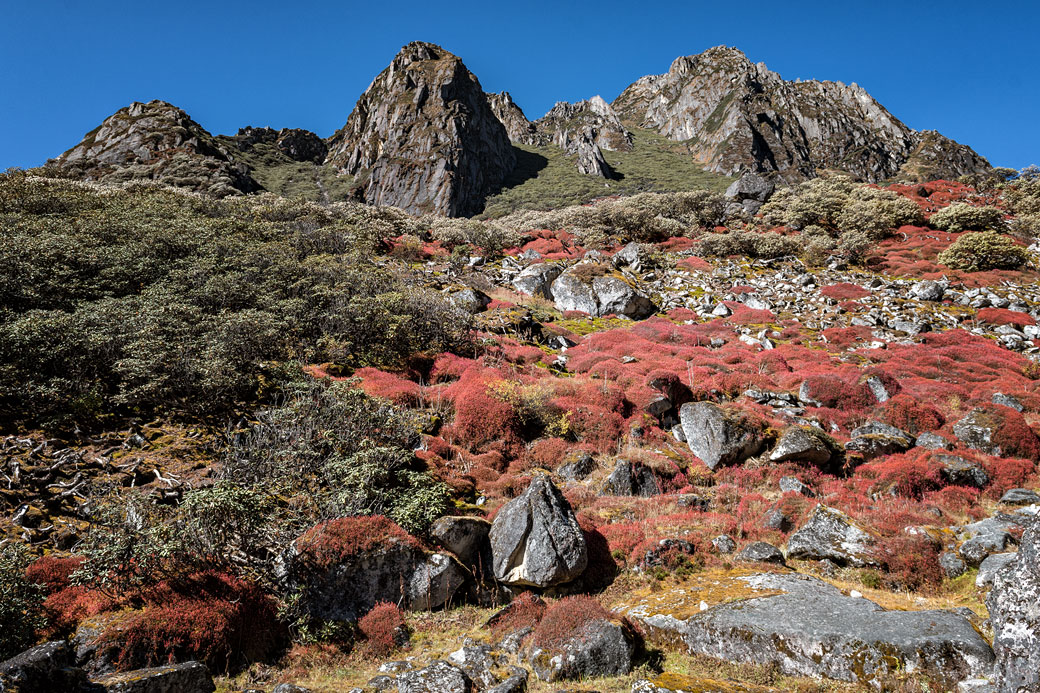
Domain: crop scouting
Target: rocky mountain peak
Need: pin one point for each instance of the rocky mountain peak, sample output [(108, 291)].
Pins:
[(517, 126), (157, 141), (423, 136), (739, 115)]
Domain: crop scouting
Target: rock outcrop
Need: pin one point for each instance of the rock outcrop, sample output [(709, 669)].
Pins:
[(518, 127), (536, 540), (155, 141), (594, 289), (586, 128), (830, 534), (423, 136), (717, 436), (807, 627), (1015, 616), (297, 144), (737, 115)]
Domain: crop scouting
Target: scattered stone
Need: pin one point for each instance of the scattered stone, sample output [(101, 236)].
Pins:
[(577, 465), (537, 279), (630, 479), (1020, 496), (470, 300), (928, 290), (724, 544), (437, 677), (1007, 401), (877, 439), (536, 540), (789, 484), (601, 648), (802, 444), (933, 441), (952, 565), (760, 552)]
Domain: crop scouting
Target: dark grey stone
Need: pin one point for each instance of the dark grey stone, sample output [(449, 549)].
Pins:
[(830, 533), (1015, 618), (717, 437), (437, 677), (802, 444), (49, 666), (760, 552), (189, 677)]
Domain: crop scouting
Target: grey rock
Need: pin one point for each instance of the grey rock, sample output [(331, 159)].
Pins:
[(425, 136), (518, 127), (466, 537), (718, 437), (49, 666), (477, 662), (1015, 619), (600, 648), (189, 677), (962, 472), (760, 552), (993, 564), (434, 581), (802, 444), (825, 633), (933, 441), (750, 188), (975, 550), (876, 439), (536, 279), (1007, 401), (789, 484), (629, 479), (977, 431), (516, 682), (877, 388), (724, 544), (470, 300), (830, 533), (604, 294), (952, 565), (290, 688), (1020, 496), (928, 290), (437, 677), (577, 466), (536, 540)]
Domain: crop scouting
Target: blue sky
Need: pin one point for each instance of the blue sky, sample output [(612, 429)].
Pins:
[(967, 69)]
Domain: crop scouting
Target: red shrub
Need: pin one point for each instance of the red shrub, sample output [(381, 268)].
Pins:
[(1001, 316), (384, 628), (911, 475), (211, 617), (844, 292), (397, 389), (328, 543), (1007, 473), (548, 453), (910, 414), (66, 604), (834, 392), (912, 562), (523, 612), (566, 618), (480, 415)]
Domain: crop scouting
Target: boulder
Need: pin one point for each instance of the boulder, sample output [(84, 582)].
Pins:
[(46, 667), (630, 479), (750, 191), (802, 444), (1014, 612), (466, 537), (928, 290), (577, 465), (600, 648), (962, 472), (992, 565), (434, 580), (789, 484), (1019, 496), (470, 300), (806, 627), (592, 289), (437, 677), (933, 441), (724, 544), (952, 565), (535, 280), (189, 677), (536, 540), (718, 437), (981, 430), (831, 534), (877, 439), (477, 662), (760, 552)]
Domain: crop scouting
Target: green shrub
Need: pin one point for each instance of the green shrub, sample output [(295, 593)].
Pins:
[(985, 250), (21, 602), (749, 243), (964, 217), (839, 204)]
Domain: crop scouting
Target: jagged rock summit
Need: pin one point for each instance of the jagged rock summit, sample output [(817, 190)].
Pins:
[(736, 115), (423, 136), (156, 141)]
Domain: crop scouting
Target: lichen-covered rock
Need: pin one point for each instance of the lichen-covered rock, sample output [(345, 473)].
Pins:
[(760, 552), (1014, 610), (518, 127), (594, 290), (875, 439), (189, 677), (471, 300), (962, 472), (750, 192), (1020, 496), (466, 537), (591, 121), (423, 136), (803, 444), (630, 479), (992, 565), (535, 280), (536, 540), (807, 627), (831, 534), (437, 677), (49, 666), (737, 115), (717, 436)]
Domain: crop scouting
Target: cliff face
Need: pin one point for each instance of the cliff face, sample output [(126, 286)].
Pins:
[(517, 126), (423, 136), (155, 141), (736, 115)]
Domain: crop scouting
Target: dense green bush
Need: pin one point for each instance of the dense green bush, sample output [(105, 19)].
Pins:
[(964, 217), (985, 250), (750, 244), (21, 602), (148, 298)]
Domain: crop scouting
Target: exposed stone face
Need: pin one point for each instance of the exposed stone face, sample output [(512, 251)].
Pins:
[(536, 540), (585, 128), (1015, 616), (155, 141), (830, 534), (423, 136), (518, 127), (744, 116), (716, 436), (599, 292), (297, 144), (600, 648)]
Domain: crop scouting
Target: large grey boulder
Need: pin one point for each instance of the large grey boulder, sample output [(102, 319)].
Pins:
[(876, 439), (434, 580), (599, 293), (437, 677), (802, 444), (189, 677), (961, 472), (760, 552), (831, 534), (536, 540), (750, 192), (928, 290), (466, 537), (49, 666), (992, 565), (535, 280), (630, 479), (599, 648), (812, 629), (1014, 609), (716, 436), (1019, 496)]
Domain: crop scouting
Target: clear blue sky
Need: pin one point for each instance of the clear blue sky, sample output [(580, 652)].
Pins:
[(967, 69)]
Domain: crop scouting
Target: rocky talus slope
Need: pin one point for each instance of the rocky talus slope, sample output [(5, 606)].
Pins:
[(423, 136), (735, 115)]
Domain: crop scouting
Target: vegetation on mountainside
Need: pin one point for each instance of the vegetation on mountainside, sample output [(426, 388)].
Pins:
[(545, 178), (281, 175)]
